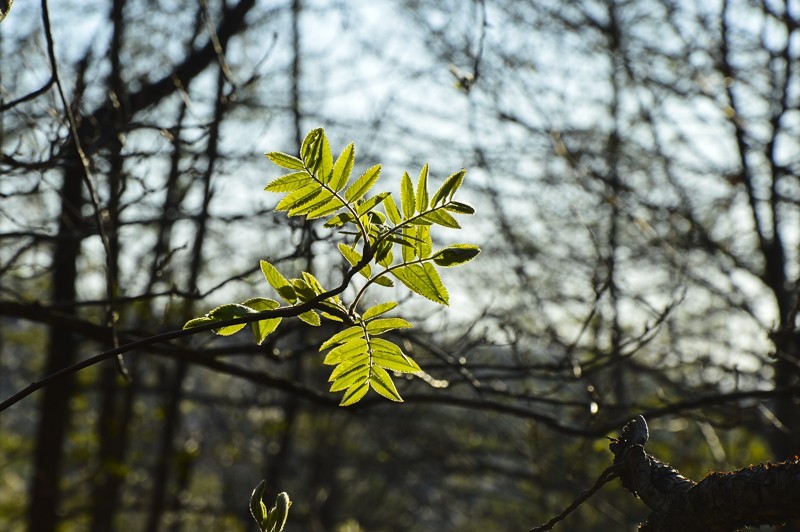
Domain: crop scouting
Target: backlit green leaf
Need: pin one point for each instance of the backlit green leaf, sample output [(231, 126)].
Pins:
[(424, 280), (299, 197), (422, 189), (456, 254), (342, 337), (408, 201), (424, 242), (382, 325), (326, 209), (391, 210), (340, 219), (441, 217), (355, 393), (312, 283), (381, 382), (371, 203), (196, 322), (316, 154), (390, 356), (261, 329), (257, 507), (285, 160), (409, 251), (394, 362), (351, 373), (278, 282), (362, 185), (459, 207), (311, 318), (377, 310), (345, 351), (343, 168), (228, 312), (383, 281), (303, 290), (448, 188), (354, 257), (289, 182)]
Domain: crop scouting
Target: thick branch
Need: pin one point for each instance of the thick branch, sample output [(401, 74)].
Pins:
[(766, 494)]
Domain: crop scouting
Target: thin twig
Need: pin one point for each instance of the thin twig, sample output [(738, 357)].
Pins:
[(89, 181), (609, 474)]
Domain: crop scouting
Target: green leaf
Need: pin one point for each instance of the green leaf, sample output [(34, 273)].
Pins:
[(449, 187), (280, 512), (345, 351), (229, 312), (391, 210), (383, 281), (285, 160), (261, 329), (441, 217), (394, 362), (388, 351), (350, 371), (455, 255), (371, 203), (289, 182), (257, 508), (409, 251), (343, 337), (196, 322), (407, 199), (299, 197), (362, 185), (383, 255), (377, 310), (343, 168), (382, 325), (354, 257), (278, 282), (424, 243), (460, 208), (313, 284), (424, 280), (340, 219), (320, 201), (422, 189), (303, 290), (316, 154), (355, 393), (381, 382), (330, 207), (311, 318)]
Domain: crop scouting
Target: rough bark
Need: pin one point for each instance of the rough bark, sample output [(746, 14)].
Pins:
[(766, 494)]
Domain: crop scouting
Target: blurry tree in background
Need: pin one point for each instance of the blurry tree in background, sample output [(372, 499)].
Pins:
[(636, 168)]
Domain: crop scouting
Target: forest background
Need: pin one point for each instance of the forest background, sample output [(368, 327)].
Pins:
[(635, 167)]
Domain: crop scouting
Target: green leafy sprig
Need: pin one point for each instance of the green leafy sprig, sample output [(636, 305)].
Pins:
[(384, 242)]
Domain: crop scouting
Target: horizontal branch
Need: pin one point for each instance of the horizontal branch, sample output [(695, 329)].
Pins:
[(766, 494), (281, 312)]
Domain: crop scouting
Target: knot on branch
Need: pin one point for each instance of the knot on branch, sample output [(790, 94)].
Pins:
[(656, 483)]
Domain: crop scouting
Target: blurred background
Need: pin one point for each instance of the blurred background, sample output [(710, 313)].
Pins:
[(635, 166)]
